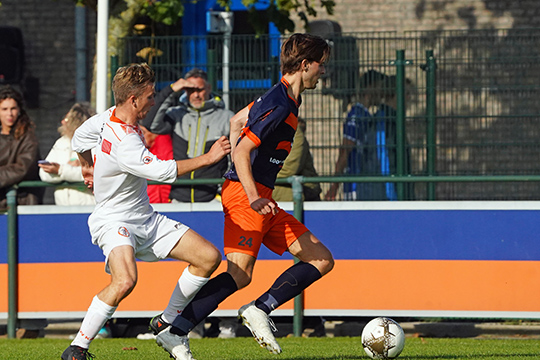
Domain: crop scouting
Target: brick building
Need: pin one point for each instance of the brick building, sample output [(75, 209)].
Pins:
[(48, 28)]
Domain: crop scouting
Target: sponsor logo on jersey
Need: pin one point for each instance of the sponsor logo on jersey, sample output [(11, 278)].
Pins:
[(123, 231), (276, 161), (106, 146), (147, 159)]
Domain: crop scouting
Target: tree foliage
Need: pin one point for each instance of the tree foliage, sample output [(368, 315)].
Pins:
[(168, 12), (280, 11)]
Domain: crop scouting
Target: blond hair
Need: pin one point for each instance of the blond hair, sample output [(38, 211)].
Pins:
[(131, 80), (79, 113)]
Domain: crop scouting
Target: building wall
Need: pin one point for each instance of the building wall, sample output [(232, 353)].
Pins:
[(49, 33), (48, 28), (404, 15)]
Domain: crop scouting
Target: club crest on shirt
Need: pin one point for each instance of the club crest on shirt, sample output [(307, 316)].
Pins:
[(129, 129), (147, 159), (106, 146), (123, 231)]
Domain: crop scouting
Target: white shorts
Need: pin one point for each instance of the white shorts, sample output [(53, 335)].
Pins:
[(152, 240)]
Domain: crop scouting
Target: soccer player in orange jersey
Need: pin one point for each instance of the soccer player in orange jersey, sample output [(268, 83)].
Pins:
[(252, 217)]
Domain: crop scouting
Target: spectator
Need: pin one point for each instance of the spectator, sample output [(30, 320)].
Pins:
[(161, 146), (358, 154), (195, 120), (63, 163), (298, 162), (20, 149), (385, 124)]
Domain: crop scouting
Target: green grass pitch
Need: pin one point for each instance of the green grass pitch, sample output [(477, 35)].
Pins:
[(293, 349)]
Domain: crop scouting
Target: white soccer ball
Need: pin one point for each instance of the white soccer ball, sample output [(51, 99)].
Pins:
[(383, 338)]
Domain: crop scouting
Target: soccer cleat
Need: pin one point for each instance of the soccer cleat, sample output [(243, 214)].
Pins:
[(157, 324), (177, 346), (261, 327), (76, 353)]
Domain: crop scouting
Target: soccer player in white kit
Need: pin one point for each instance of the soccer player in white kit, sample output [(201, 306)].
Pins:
[(123, 224)]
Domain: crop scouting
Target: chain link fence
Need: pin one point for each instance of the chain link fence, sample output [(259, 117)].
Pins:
[(486, 97)]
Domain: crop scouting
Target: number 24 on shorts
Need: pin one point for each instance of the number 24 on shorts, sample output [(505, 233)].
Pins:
[(245, 242)]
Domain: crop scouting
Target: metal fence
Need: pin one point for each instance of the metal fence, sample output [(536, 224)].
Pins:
[(485, 97)]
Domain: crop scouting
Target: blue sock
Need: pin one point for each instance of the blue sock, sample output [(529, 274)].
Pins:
[(207, 300), (288, 285)]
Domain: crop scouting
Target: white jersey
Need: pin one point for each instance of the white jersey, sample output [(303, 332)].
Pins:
[(122, 165)]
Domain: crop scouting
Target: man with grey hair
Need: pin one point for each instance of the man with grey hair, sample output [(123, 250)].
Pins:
[(195, 119)]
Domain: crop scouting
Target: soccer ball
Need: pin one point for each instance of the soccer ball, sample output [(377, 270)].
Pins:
[(383, 338)]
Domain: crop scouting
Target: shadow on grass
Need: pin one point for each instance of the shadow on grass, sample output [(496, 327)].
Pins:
[(475, 356), (415, 357)]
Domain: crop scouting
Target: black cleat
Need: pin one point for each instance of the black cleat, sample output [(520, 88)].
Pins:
[(76, 353), (157, 324)]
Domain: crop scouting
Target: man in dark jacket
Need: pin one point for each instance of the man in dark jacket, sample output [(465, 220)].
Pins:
[(195, 120)]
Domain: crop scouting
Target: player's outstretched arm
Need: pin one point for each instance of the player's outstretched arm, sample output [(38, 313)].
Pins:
[(218, 151)]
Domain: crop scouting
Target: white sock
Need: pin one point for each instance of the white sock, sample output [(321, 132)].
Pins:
[(187, 286), (97, 315)]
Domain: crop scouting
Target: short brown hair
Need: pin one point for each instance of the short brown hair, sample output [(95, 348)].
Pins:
[(131, 80), (302, 46)]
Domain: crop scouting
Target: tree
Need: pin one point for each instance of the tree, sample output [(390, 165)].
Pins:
[(124, 13), (168, 12), (279, 12)]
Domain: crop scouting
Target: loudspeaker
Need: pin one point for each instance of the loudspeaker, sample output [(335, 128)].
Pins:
[(326, 29), (11, 55)]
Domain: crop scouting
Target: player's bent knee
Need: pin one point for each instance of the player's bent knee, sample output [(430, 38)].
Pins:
[(243, 283), (209, 263), (325, 265), (125, 286), (329, 265), (215, 260), (242, 279)]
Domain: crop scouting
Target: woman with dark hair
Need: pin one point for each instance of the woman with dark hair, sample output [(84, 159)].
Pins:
[(19, 152), (62, 162)]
